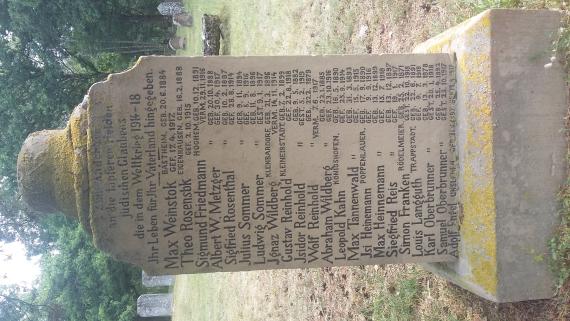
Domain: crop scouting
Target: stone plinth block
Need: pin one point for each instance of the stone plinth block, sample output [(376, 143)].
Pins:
[(150, 281), (154, 305), (512, 151)]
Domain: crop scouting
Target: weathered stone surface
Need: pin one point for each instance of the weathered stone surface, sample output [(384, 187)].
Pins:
[(171, 8), (154, 305), (165, 318), (150, 281), (211, 164), (52, 169), (182, 19), (200, 164), (511, 151), (176, 43)]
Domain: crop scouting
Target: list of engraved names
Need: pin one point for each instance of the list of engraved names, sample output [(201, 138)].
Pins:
[(226, 164)]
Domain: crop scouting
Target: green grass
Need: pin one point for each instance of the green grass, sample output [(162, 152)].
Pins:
[(560, 244), (337, 29), (276, 27), (402, 297), (482, 5), (247, 296), (250, 27), (192, 293), (398, 304)]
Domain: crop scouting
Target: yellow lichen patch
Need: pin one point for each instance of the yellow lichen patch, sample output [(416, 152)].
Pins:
[(78, 127), (49, 170), (478, 230), (481, 23), (60, 150), (478, 198), (470, 41), (472, 67)]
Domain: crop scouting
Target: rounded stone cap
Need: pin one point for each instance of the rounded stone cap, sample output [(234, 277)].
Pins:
[(45, 177)]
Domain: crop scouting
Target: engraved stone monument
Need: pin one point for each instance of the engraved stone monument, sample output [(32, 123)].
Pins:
[(189, 165)]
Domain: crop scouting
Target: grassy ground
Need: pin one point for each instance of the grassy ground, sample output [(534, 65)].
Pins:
[(392, 292)]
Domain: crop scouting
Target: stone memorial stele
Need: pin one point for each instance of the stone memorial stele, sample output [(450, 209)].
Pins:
[(210, 164), (199, 164)]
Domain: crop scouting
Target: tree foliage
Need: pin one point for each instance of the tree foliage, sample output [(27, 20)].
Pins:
[(87, 284), (37, 233), (51, 51), (78, 283)]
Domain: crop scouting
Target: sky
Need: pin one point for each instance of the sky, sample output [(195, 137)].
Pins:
[(15, 268)]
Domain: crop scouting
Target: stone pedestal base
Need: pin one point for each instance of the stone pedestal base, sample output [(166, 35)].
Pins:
[(512, 151)]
